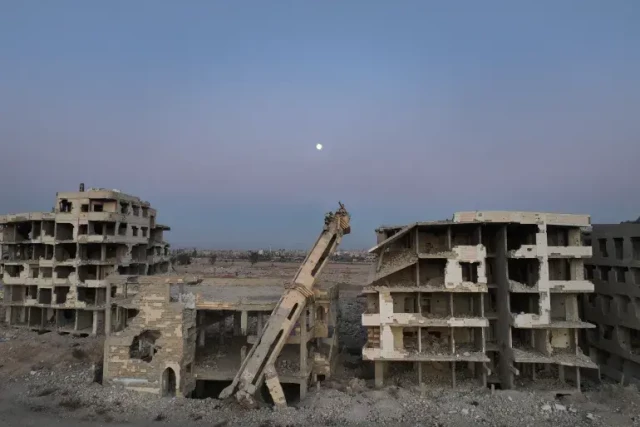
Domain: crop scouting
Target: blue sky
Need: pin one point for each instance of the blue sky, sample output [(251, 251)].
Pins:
[(211, 110)]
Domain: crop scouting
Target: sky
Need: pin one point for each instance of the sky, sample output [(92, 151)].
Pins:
[(211, 110)]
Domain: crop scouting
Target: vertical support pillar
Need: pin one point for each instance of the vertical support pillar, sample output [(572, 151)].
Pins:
[(303, 343), (453, 374), (103, 251), (578, 379), (379, 373), (94, 326), (503, 325), (304, 373), (244, 320), (484, 375), (107, 310), (259, 323), (533, 371), (561, 373)]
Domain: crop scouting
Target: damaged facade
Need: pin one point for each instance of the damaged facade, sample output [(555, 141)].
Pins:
[(615, 306), (491, 296), (177, 336), (55, 264)]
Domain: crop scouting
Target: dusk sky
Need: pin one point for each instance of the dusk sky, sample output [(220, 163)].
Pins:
[(211, 111)]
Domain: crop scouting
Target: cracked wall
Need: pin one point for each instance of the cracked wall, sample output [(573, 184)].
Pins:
[(174, 347)]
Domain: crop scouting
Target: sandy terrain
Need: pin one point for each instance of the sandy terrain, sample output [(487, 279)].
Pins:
[(48, 379)]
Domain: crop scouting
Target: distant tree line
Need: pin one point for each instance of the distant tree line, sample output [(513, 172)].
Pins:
[(637, 221)]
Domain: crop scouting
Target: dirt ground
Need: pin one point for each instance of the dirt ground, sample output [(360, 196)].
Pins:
[(48, 379)]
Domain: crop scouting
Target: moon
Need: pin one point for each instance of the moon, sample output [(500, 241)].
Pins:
[(318, 147)]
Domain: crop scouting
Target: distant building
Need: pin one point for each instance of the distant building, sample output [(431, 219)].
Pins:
[(615, 307)]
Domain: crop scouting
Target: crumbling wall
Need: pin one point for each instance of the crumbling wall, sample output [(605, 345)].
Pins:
[(156, 350)]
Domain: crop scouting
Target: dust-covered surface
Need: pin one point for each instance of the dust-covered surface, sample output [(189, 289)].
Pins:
[(49, 379)]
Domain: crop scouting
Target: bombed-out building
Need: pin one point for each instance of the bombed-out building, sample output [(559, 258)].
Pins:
[(487, 296), (615, 306), (55, 264), (181, 336)]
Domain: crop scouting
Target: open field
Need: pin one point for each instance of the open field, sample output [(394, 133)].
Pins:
[(48, 379)]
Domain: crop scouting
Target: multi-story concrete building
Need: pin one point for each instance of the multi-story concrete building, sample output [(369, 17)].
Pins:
[(55, 264), (488, 295), (615, 307)]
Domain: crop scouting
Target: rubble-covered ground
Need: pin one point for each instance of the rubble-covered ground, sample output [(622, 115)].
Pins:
[(48, 379)]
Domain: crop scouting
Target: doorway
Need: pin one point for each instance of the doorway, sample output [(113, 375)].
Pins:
[(169, 383)]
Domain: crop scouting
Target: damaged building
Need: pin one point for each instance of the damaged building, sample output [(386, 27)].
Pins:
[(55, 264), (487, 296), (615, 306), (178, 336)]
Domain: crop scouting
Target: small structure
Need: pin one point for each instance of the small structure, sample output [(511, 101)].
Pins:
[(486, 295), (615, 306), (199, 333)]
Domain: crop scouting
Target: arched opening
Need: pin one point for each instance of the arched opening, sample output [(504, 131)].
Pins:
[(169, 383)]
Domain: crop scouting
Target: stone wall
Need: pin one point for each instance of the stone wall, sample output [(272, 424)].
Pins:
[(167, 331)]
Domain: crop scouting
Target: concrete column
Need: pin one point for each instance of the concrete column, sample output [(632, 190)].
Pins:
[(303, 390), (561, 373), (201, 337), (244, 320), (103, 252), (94, 326), (259, 322), (303, 344), (503, 329), (533, 371), (379, 374), (303, 353), (107, 311), (453, 374)]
